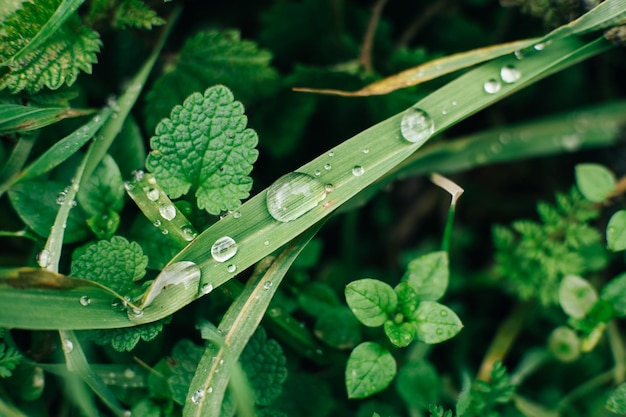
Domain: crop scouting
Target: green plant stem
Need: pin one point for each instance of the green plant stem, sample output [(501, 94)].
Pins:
[(618, 351), (503, 340), (18, 157), (447, 233)]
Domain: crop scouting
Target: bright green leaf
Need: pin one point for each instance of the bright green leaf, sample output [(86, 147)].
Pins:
[(63, 54), (136, 14), (576, 296), (400, 334), (370, 369), (435, 322), (209, 58), (616, 403), (205, 146), (616, 231), (407, 299), (36, 204), (183, 363), (17, 118), (338, 328), (9, 359), (126, 338), (595, 182), (418, 384), (116, 263), (615, 294), (428, 275), (371, 301)]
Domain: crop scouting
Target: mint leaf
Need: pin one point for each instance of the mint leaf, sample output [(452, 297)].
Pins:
[(428, 275), (36, 204), (370, 369), (209, 58), (595, 182), (116, 263), (317, 297), (435, 322), (371, 301), (125, 339), (9, 359), (264, 363), (67, 51), (183, 362), (136, 14), (400, 334), (616, 231), (616, 403), (205, 146)]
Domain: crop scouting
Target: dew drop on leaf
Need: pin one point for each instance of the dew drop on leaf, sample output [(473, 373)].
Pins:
[(206, 288), (197, 396), (156, 223), (209, 390), (43, 258), (439, 331), (183, 272), (443, 313), (153, 194), (327, 167), (224, 248), (293, 195), (236, 215), (84, 301), (68, 346), (416, 125), (268, 285), (329, 188), (571, 143), (188, 234), (510, 74), (168, 212), (492, 86), (358, 170), (231, 268), (266, 243)]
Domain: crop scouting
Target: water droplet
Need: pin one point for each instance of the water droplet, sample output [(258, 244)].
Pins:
[(151, 180), (329, 188), (327, 167), (495, 148), (274, 312), (183, 272), (510, 74), (439, 331), (416, 125), (358, 170), (153, 194), (209, 390), (189, 234), (443, 313), (61, 197), (168, 212), (293, 195), (84, 301), (571, 142), (68, 346), (129, 373), (129, 186), (317, 173), (540, 46), (156, 223), (128, 413), (331, 154), (268, 285), (197, 396), (454, 102), (505, 138), (231, 268), (236, 215), (266, 243), (136, 312), (223, 249), (73, 203), (206, 288), (519, 54), (43, 258), (492, 86), (165, 231), (366, 150), (137, 175)]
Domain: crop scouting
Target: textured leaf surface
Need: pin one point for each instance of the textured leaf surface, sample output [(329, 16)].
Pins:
[(126, 338), (209, 58), (595, 182), (136, 14), (183, 363), (338, 328), (616, 231), (435, 322), (9, 359), (370, 369), (616, 403), (115, 263), (64, 54), (428, 275), (615, 293), (205, 146), (371, 301)]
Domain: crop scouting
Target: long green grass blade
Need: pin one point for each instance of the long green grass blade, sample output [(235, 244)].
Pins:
[(18, 118)]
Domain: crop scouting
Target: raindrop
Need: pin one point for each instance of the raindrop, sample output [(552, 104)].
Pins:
[(137, 312), (43, 258), (317, 173), (540, 46), (129, 373), (231, 268), (61, 197), (358, 170), (153, 194), (209, 390), (510, 74), (223, 249), (236, 215), (416, 125), (331, 154), (165, 231), (189, 234), (266, 243), (571, 142), (519, 54), (156, 223), (492, 86), (366, 150), (152, 180), (495, 148), (168, 212), (293, 195), (329, 188), (137, 175), (505, 138), (84, 301), (183, 272), (68, 346), (443, 313), (327, 167), (206, 288), (439, 331), (128, 186), (268, 285), (197, 396)]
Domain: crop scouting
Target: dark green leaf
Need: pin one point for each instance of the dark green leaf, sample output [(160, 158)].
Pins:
[(370, 369), (338, 328), (616, 403), (136, 14), (407, 299), (17, 118), (183, 362), (9, 359), (418, 384), (435, 322), (317, 297), (428, 275), (125, 339), (616, 231), (371, 301), (205, 146), (615, 294), (595, 182)]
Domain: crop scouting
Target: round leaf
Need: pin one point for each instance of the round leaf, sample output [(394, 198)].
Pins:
[(400, 334), (371, 301), (370, 369), (435, 322), (428, 275), (616, 231), (576, 296), (595, 182)]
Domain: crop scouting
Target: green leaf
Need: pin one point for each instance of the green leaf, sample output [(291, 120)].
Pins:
[(36, 204), (595, 182), (564, 344), (407, 299), (371, 301), (126, 338), (370, 369), (264, 363), (209, 58), (616, 403), (205, 146), (435, 322), (338, 328), (183, 362), (418, 384), (616, 231), (9, 359), (17, 118), (576, 296), (158, 247), (428, 275), (115, 264), (65, 49), (615, 294), (317, 297), (136, 14), (400, 334), (102, 198)]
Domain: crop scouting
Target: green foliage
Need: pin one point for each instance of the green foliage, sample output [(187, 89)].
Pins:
[(616, 231), (486, 398), (9, 359), (534, 257), (126, 339), (428, 275), (205, 146), (595, 182), (616, 403), (372, 301), (370, 369), (69, 50)]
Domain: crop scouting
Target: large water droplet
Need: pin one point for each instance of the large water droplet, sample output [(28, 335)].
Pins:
[(327, 167), (67, 345), (188, 233), (183, 272), (84, 301), (197, 396), (510, 74), (571, 142), (416, 125), (492, 86), (358, 170), (153, 194), (168, 212), (223, 249), (293, 195), (43, 258)]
